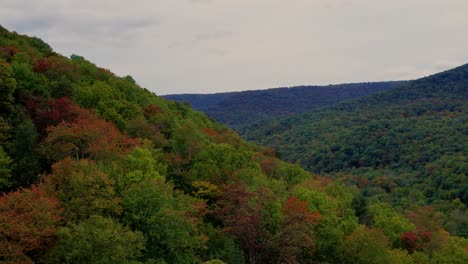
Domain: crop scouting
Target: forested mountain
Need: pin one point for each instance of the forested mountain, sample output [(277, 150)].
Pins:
[(406, 146), (239, 109), (95, 169)]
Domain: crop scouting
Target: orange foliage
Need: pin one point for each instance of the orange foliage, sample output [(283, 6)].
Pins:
[(210, 132), (28, 220), (87, 136), (151, 110), (295, 212)]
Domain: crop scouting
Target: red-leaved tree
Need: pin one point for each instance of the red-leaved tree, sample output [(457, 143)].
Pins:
[(87, 136), (28, 220), (296, 235)]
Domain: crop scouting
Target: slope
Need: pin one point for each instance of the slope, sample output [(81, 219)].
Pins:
[(239, 109), (410, 141)]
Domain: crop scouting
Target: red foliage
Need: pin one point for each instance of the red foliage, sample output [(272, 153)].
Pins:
[(8, 51), (269, 152), (428, 224), (268, 164), (426, 236), (151, 110), (28, 220), (295, 212), (46, 113), (362, 182), (410, 241), (243, 218), (296, 234), (210, 132), (86, 136), (41, 66), (57, 67)]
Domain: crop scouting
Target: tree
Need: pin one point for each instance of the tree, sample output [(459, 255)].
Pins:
[(296, 236), (5, 170), (168, 220), (393, 224), (87, 136), (221, 245), (47, 113), (7, 87), (139, 164), (242, 217), (411, 241), (28, 221), (96, 240), (82, 189), (218, 162), (366, 246), (428, 224), (22, 149), (455, 251)]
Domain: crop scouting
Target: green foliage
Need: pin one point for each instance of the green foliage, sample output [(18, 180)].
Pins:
[(218, 162), (5, 170), (338, 219), (7, 87), (28, 81), (403, 146), (96, 240), (222, 246), (366, 246), (454, 252), (140, 164), (167, 219), (386, 218), (82, 189), (22, 149), (238, 110)]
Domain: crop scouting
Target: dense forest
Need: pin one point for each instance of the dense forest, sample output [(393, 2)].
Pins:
[(240, 109), (95, 169), (405, 146)]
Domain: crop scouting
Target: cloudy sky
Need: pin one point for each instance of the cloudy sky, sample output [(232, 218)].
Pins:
[(203, 46)]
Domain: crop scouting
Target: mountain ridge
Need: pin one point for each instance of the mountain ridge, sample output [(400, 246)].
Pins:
[(238, 109)]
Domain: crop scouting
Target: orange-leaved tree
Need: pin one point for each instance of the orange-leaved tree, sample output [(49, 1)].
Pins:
[(28, 221)]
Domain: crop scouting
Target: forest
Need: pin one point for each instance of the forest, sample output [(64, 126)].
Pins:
[(96, 169), (404, 146), (241, 109)]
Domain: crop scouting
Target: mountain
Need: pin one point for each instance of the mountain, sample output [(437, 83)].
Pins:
[(407, 145), (239, 109), (96, 169)]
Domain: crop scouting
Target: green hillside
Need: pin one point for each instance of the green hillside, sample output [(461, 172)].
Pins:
[(95, 169), (407, 145)]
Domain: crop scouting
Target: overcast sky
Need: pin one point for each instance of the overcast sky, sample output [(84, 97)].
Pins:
[(204, 46)]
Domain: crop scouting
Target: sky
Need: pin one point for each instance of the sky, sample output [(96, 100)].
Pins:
[(207, 46)]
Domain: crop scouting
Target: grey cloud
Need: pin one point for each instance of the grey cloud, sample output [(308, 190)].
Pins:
[(33, 24), (212, 36), (245, 44), (202, 37), (201, 1)]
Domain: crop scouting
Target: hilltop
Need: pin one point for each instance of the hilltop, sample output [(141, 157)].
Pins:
[(240, 109)]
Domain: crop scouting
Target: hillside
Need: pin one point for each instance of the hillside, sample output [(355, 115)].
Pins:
[(239, 109), (406, 145), (95, 169)]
